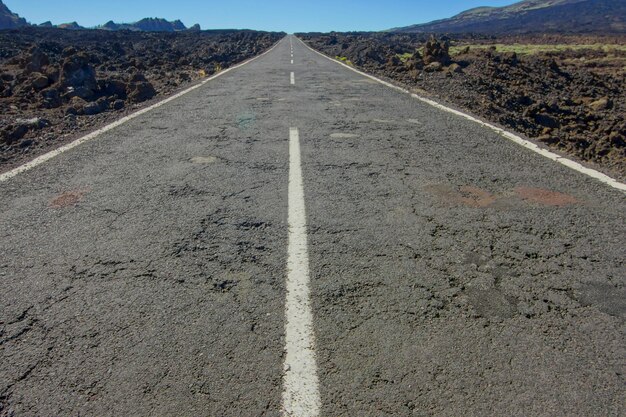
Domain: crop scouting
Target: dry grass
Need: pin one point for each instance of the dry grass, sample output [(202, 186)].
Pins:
[(530, 49)]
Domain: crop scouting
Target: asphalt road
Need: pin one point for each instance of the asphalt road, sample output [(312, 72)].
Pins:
[(451, 272)]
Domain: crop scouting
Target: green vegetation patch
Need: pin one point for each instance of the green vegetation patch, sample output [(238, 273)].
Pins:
[(344, 59), (405, 57)]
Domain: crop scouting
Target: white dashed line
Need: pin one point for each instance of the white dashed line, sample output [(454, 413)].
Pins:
[(612, 182), (292, 61), (293, 79), (301, 396)]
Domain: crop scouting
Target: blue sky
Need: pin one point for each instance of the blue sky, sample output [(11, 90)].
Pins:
[(278, 15)]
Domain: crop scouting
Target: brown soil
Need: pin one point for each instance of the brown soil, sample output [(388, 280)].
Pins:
[(56, 85), (572, 100)]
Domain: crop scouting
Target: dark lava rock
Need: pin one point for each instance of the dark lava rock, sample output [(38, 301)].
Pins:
[(96, 107), (76, 106), (433, 67), (141, 91), (51, 98), (437, 51), (20, 128), (35, 60), (78, 74), (415, 62), (118, 105), (546, 120), (13, 133), (114, 87), (40, 81)]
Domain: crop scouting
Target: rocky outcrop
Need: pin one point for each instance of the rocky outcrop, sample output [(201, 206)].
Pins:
[(10, 20), (436, 51)]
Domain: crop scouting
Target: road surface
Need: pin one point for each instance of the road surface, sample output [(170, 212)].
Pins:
[(294, 238)]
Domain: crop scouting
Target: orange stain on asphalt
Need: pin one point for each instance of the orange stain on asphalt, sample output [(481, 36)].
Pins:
[(67, 199)]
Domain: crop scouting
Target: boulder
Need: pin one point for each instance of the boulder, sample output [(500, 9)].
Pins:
[(13, 133), (21, 127), (415, 62), (433, 67), (53, 74), (51, 98), (140, 92), (39, 81), (76, 106), (96, 107), (437, 51), (79, 75), (35, 60), (114, 87), (547, 120)]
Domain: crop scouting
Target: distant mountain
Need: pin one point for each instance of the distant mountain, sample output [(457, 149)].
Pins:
[(8, 19), (71, 26), (149, 25), (569, 16)]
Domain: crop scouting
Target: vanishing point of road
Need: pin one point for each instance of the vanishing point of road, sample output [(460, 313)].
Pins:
[(293, 238)]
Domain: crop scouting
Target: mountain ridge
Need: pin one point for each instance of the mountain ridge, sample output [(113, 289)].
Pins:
[(149, 24), (10, 20), (532, 16)]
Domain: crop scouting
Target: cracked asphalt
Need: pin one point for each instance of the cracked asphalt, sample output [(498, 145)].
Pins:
[(452, 271)]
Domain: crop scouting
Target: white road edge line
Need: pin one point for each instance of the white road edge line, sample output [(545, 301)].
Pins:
[(301, 395), (47, 156), (293, 79), (612, 182)]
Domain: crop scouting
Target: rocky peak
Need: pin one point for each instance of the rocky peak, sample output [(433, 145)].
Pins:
[(8, 19)]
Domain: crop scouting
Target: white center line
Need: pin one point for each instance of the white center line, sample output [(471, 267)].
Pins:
[(293, 79), (292, 61), (301, 395)]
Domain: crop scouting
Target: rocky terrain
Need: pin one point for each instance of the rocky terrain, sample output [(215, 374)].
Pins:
[(56, 84), (568, 93), (534, 16)]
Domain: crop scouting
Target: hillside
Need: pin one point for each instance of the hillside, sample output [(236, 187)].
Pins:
[(8, 19), (563, 16)]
